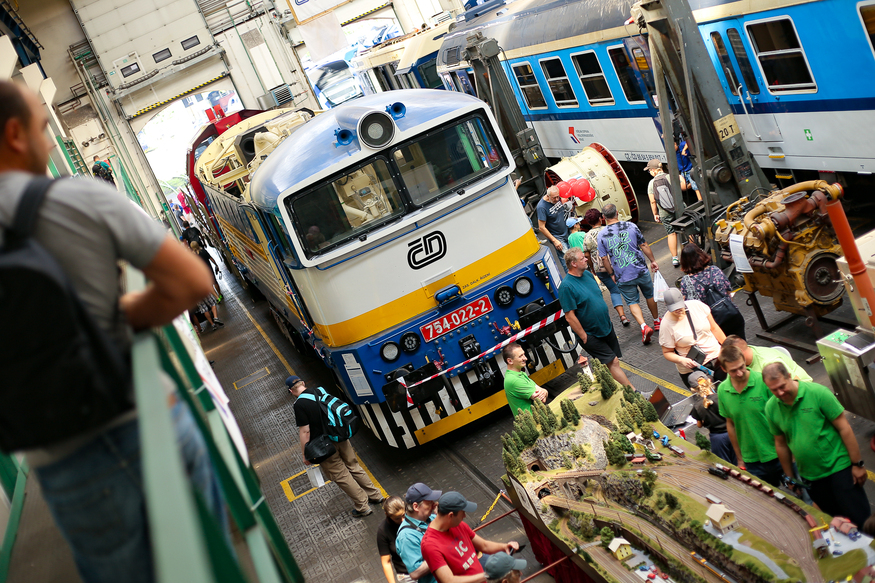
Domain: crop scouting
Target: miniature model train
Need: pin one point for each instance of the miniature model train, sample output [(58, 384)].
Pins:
[(389, 241)]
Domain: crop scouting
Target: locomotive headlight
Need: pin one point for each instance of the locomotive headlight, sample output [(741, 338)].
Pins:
[(522, 286), (390, 351), (376, 129), (503, 296), (410, 342)]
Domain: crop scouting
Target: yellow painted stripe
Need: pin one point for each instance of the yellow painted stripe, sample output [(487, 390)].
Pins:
[(249, 242), (549, 372), (265, 336), (420, 301), (653, 379), (287, 487), (178, 95), (460, 418), (871, 475), (371, 476)]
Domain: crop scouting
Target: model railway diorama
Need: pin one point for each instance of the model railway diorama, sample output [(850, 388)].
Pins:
[(595, 480)]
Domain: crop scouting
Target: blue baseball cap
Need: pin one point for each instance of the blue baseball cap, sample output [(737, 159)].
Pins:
[(455, 502), (293, 380), (419, 492), (572, 221), (500, 564)]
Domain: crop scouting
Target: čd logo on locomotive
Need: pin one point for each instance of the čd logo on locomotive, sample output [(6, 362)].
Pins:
[(426, 250)]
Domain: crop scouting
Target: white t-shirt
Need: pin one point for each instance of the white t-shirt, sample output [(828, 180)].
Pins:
[(675, 333)]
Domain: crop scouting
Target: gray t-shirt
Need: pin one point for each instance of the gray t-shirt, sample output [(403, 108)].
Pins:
[(553, 216), (88, 228)]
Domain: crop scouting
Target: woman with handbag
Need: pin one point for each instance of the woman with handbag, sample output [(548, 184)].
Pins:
[(706, 283), (690, 337)]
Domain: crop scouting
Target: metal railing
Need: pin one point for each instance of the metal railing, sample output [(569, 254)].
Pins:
[(187, 542)]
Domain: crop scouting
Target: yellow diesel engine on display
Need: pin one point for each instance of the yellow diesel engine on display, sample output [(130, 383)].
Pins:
[(791, 246)]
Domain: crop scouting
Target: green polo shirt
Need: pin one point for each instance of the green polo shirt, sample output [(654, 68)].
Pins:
[(576, 240), (807, 427), (763, 355), (747, 411), (519, 389)]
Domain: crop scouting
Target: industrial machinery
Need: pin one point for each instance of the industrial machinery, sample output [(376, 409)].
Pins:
[(790, 245)]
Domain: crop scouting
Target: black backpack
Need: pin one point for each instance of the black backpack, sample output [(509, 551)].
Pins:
[(101, 171), (340, 423), (62, 373)]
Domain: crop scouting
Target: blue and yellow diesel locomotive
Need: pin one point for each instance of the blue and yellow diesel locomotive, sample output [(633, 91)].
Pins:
[(388, 237)]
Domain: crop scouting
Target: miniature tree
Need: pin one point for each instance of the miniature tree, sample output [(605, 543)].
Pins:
[(622, 442), (566, 462), (585, 381), (525, 426), (648, 476), (509, 445), (637, 416), (512, 463), (517, 442), (671, 500), (647, 431), (625, 419), (650, 414), (607, 536), (563, 423), (648, 489), (614, 454), (569, 411), (629, 393), (703, 442)]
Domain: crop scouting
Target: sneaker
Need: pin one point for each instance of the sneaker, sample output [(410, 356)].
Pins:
[(624, 320), (222, 324), (361, 513), (380, 501), (646, 334), (675, 261), (656, 323), (219, 299), (215, 327)]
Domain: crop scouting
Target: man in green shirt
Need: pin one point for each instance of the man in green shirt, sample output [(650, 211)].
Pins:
[(742, 399), (518, 387), (809, 423), (757, 357)]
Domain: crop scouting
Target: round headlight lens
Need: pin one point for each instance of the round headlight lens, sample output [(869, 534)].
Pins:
[(523, 286), (376, 129), (410, 342), (390, 351), (504, 296)]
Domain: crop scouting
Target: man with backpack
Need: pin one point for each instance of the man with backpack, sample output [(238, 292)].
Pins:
[(312, 407), (66, 399), (662, 205), (101, 170)]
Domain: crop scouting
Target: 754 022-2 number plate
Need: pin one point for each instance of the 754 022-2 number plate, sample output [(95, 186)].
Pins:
[(456, 318)]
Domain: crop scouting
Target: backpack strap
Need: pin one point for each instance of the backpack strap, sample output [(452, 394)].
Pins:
[(27, 210)]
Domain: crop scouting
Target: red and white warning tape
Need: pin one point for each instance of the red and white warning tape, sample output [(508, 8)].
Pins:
[(545, 322)]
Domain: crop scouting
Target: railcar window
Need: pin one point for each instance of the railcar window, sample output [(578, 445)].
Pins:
[(557, 80), (743, 61), (626, 75), (428, 72), (466, 83), (338, 211), (595, 86), (781, 56), (280, 232), (867, 14), (525, 77), (446, 159), (725, 62)]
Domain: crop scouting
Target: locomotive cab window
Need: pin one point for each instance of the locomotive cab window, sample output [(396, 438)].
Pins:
[(557, 80), (345, 208), (444, 160), (525, 77), (592, 78), (624, 71), (867, 17), (781, 57)]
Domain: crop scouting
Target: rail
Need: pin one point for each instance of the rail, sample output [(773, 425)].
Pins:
[(188, 543)]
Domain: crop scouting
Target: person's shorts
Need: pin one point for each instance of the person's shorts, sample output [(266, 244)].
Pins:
[(666, 218), (629, 289), (605, 348), (688, 177)]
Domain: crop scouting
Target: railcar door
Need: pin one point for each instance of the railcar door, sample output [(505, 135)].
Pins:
[(731, 52)]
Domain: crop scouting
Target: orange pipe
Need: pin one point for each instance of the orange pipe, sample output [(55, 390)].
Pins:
[(852, 254)]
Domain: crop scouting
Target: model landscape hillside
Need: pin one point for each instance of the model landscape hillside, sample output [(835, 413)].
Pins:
[(601, 476)]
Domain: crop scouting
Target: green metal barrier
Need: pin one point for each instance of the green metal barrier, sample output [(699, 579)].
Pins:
[(188, 544)]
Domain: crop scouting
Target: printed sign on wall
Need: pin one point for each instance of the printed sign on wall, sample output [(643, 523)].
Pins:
[(306, 10)]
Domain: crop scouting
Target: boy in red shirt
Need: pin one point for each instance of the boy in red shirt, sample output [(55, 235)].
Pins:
[(450, 547)]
